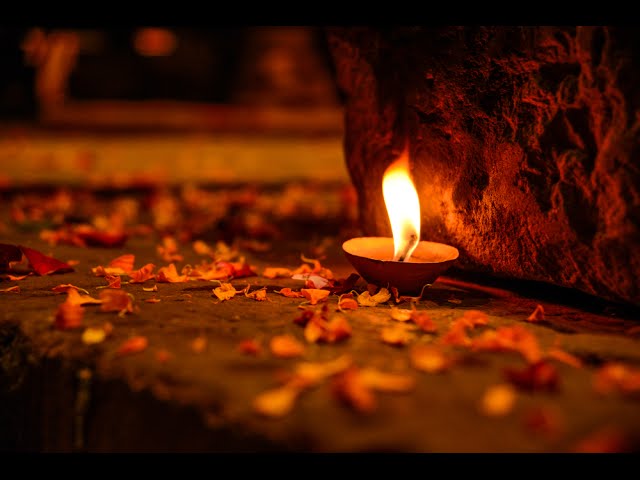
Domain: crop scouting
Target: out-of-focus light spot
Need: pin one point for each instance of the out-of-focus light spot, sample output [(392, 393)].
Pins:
[(154, 42)]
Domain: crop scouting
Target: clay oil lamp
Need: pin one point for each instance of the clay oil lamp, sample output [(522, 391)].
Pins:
[(403, 261)]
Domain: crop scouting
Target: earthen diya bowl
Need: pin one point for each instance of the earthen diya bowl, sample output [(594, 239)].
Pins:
[(372, 257)]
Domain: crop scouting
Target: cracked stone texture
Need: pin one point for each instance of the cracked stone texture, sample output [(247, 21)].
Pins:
[(524, 143)]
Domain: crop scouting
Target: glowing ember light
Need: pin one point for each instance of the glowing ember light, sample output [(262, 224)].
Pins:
[(403, 207)]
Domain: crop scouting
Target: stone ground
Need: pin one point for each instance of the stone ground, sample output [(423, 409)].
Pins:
[(203, 401)]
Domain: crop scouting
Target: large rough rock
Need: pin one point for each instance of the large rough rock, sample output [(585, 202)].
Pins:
[(524, 142)]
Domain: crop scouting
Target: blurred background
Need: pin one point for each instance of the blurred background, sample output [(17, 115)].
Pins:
[(173, 105)]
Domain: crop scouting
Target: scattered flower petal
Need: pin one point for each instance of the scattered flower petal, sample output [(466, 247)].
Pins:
[(123, 263), (271, 272), (276, 402), (65, 288), (43, 264), (92, 336), (75, 298), (68, 316), (150, 289), (225, 291), (423, 320), (250, 347), (350, 388), (14, 289), (153, 300), (133, 345), (347, 302), (365, 299), (169, 274), (146, 273), (564, 357), (113, 281), (396, 335), (429, 359), (314, 295), (116, 301), (540, 376), (287, 292), (400, 314), (616, 377), (258, 295), (387, 382), (286, 346), (498, 400), (168, 251), (537, 315)]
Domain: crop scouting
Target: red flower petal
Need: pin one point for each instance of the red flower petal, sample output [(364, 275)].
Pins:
[(44, 265)]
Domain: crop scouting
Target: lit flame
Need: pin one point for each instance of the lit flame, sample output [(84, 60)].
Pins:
[(403, 207)]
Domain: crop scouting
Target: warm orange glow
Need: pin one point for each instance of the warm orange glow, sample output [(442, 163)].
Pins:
[(403, 207), (155, 42)]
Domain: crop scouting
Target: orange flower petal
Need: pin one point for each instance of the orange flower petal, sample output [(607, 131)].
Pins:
[(276, 402), (423, 320), (68, 316), (133, 345), (498, 400), (75, 298), (537, 315), (14, 289), (429, 359), (397, 336), (314, 295), (258, 295), (65, 288), (387, 382), (116, 301), (225, 291), (564, 357), (123, 262), (113, 281), (287, 292), (146, 273), (271, 272), (286, 346), (250, 347), (169, 274), (349, 387)]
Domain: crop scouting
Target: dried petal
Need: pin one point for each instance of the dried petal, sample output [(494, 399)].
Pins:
[(314, 329), (365, 299), (113, 281), (423, 320), (65, 288), (338, 287), (314, 295), (334, 330), (537, 315), (169, 274), (616, 377), (75, 298), (146, 273), (475, 318), (396, 335), (225, 291), (43, 264), (153, 300), (276, 402), (457, 335), (304, 317), (498, 400), (168, 251), (16, 278), (540, 376), (286, 346), (271, 272), (564, 357), (68, 316), (116, 301), (258, 295), (92, 336), (387, 382), (287, 292), (349, 387), (133, 345), (400, 314), (505, 339), (201, 248), (347, 302), (429, 359), (314, 373), (250, 347), (123, 263), (14, 289), (150, 289)]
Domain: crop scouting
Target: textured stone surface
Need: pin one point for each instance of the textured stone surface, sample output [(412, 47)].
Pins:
[(524, 141)]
